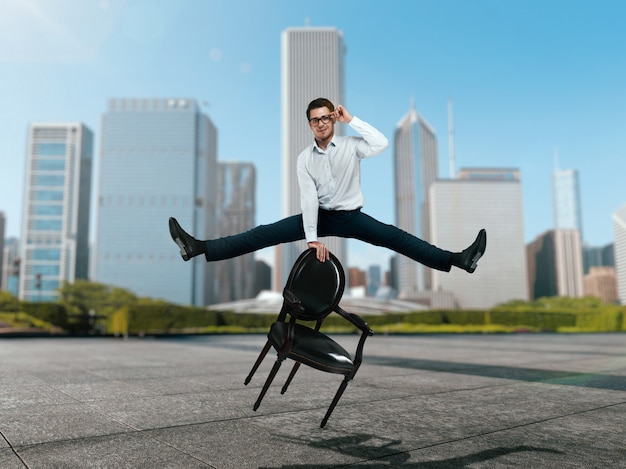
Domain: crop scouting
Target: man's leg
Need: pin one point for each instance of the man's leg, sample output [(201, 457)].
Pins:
[(358, 225), (355, 224), (283, 231)]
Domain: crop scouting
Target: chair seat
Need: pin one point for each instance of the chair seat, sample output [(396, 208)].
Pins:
[(312, 348)]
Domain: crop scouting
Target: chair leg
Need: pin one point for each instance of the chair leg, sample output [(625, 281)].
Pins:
[(340, 391), (296, 365), (266, 349), (266, 386)]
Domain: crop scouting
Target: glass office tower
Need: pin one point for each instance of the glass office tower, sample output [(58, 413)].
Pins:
[(566, 198), (235, 214), (415, 169), (157, 160), (11, 266), (2, 269), (55, 225)]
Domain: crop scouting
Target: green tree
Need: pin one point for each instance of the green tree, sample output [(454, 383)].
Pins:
[(82, 296), (8, 303)]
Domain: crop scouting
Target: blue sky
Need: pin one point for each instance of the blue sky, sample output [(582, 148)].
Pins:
[(527, 78)]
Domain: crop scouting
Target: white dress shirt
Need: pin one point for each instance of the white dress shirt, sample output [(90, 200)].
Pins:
[(331, 178)]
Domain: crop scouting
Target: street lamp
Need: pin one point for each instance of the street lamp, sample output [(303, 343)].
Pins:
[(38, 285)]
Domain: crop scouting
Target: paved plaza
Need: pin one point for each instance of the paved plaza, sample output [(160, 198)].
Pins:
[(450, 401)]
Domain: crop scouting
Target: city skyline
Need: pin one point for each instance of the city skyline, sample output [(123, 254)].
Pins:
[(524, 77)]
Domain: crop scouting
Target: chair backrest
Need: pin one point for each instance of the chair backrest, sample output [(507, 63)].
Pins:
[(318, 285)]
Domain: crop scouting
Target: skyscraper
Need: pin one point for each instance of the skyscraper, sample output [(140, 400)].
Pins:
[(566, 199), (2, 225), (595, 256), (374, 279), (55, 225), (555, 266), (601, 282), (235, 277), (312, 66), (11, 266), (158, 159), (263, 277), (619, 230), (489, 198), (415, 169)]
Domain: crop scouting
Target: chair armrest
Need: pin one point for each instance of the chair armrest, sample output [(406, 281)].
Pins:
[(292, 306), (290, 296), (295, 305), (366, 332), (356, 320)]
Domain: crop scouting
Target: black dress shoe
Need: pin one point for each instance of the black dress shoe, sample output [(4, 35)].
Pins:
[(470, 256), (189, 246)]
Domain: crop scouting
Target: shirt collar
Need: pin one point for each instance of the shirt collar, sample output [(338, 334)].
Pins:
[(333, 142)]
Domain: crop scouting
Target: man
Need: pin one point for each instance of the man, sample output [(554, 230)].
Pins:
[(331, 202)]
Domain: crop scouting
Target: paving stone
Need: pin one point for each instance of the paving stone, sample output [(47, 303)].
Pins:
[(449, 401)]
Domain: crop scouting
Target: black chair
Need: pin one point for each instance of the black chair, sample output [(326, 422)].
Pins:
[(313, 291)]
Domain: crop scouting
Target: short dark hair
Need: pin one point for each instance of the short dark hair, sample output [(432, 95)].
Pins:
[(317, 103)]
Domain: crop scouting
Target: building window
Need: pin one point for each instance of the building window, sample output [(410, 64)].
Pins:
[(48, 225), (50, 165), (51, 149), (48, 210), (49, 195), (46, 254), (44, 269), (50, 180)]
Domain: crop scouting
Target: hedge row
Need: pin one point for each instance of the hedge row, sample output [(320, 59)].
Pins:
[(53, 313), (164, 318), (137, 319)]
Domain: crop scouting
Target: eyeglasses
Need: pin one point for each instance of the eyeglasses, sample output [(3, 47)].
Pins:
[(323, 119)]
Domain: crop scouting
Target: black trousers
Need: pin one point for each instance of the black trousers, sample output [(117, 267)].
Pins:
[(345, 224)]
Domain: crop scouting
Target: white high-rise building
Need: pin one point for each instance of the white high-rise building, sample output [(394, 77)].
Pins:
[(619, 230), (312, 66), (489, 198), (158, 159), (55, 225), (415, 169)]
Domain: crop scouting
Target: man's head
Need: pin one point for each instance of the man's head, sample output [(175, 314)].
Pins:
[(322, 123), (318, 103)]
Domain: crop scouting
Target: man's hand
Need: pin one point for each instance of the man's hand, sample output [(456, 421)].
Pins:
[(341, 114), (321, 251)]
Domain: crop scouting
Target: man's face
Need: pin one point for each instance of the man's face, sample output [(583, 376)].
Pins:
[(321, 123)]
